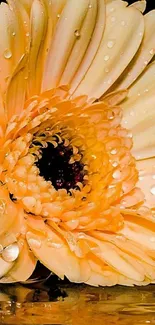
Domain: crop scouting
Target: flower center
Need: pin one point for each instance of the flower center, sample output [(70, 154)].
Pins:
[(55, 166)]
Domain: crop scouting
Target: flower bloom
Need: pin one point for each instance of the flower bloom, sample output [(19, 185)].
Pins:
[(77, 141)]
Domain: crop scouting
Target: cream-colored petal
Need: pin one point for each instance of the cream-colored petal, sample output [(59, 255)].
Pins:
[(146, 182), (140, 235), (27, 4), (5, 210), (54, 253), (115, 97), (80, 47), (119, 261), (140, 5), (12, 39), (16, 92), (125, 245), (139, 114), (122, 37), (24, 265), (38, 31), (5, 267), (142, 57), (113, 5), (63, 41), (93, 46)]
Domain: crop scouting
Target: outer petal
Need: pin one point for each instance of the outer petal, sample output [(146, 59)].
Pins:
[(139, 114), (16, 91), (93, 46), (122, 37), (63, 41), (12, 39), (142, 57), (38, 32), (54, 253), (147, 180), (25, 264), (140, 5), (80, 47)]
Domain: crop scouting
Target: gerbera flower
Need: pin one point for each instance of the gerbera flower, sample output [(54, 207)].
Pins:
[(77, 192)]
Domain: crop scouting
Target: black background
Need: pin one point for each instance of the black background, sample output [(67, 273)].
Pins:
[(150, 3)]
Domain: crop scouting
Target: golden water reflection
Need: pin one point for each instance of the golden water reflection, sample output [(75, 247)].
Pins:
[(76, 305)]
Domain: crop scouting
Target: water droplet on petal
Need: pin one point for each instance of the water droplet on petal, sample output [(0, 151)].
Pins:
[(27, 34), (58, 15), (90, 6), (117, 174), (115, 164), (110, 44), (10, 253), (132, 113), (106, 57), (152, 51), (129, 135), (34, 243), (77, 33), (152, 190), (14, 34), (114, 152), (113, 18), (123, 23), (7, 54)]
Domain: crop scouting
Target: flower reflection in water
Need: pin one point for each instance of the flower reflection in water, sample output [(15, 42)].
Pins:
[(76, 305)]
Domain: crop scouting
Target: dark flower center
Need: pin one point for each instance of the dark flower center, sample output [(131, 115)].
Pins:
[(55, 166)]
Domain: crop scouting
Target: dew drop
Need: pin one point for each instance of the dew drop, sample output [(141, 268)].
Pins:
[(7, 54), (110, 44), (14, 34), (10, 253), (58, 15), (129, 135), (27, 34), (123, 23), (132, 113), (50, 243), (90, 6), (111, 9), (145, 62), (152, 190), (114, 152), (115, 164), (77, 33), (113, 18), (117, 174), (106, 57), (34, 243)]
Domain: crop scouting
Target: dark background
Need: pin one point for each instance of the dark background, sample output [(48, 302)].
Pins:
[(150, 4)]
